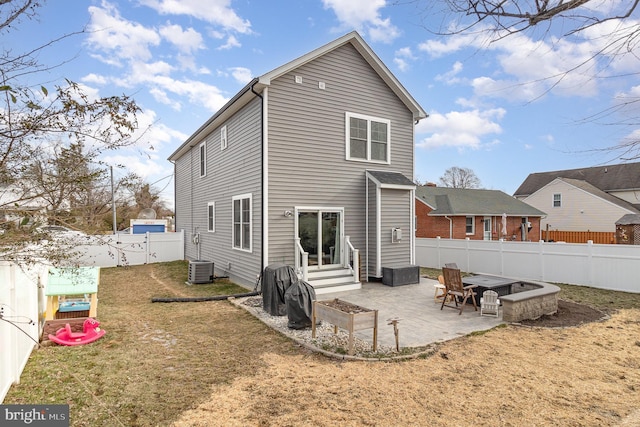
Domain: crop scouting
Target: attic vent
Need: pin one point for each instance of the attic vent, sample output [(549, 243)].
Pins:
[(200, 272), (298, 79)]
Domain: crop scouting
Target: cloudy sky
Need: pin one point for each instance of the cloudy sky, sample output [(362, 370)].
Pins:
[(503, 109)]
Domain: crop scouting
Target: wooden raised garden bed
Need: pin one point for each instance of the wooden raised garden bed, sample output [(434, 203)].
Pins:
[(342, 314)]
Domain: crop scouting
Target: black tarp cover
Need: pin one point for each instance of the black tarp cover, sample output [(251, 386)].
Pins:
[(276, 279), (299, 301)]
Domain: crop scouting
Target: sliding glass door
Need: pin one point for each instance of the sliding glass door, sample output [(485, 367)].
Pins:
[(320, 232)]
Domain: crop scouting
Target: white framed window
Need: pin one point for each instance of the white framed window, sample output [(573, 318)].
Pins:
[(211, 217), (242, 224), (368, 138), (203, 159), (557, 200), (223, 138), (470, 225)]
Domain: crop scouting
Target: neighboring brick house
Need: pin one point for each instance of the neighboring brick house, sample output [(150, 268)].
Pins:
[(458, 213), (587, 199)]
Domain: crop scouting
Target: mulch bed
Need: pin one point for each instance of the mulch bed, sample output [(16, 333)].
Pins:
[(568, 314)]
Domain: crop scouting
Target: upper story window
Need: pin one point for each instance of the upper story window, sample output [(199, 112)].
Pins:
[(211, 217), (470, 225), (242, 222), (203, 159), (557, 200), (368, 138), (223, 138)]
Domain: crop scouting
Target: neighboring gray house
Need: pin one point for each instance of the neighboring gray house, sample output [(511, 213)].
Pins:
[(310, 165), (588, 199)]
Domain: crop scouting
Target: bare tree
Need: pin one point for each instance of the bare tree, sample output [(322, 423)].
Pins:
[(34, 117), (147, 196), (519, 15), (456, 177), (617, 37)]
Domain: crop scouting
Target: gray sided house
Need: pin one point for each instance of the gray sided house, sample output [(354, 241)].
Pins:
[(309, 165)]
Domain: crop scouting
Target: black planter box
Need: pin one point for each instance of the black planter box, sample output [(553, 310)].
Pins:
[(404, 275)]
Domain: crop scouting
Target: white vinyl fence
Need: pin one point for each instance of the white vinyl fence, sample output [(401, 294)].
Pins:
[(133, 249), (615, 267), (21, 306), (22, 301)]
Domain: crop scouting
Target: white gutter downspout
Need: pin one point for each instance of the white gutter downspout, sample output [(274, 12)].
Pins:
[(450, 227)]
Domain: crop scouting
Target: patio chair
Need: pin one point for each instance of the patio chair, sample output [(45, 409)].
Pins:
[(455, 289), (440, 290), (490, 303)]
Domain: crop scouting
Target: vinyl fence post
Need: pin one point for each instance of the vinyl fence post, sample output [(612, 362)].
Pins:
[(147, 247)]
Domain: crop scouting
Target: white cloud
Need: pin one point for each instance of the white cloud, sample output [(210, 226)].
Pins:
[(402, 58), (528, 69), (450, 77), (142, 72), (607, 7), (460, 129), (382, 30), (451, 44), (156, 134), (405, 52), (218, 12), (109, 33), (141, 165), (198, 93), (241, 74), (467, 103), (402, 64), (364, 16), (93, 78), (162, 97), (128, 44), (232, 42), (631, 139), (616, 39), (187, 41)]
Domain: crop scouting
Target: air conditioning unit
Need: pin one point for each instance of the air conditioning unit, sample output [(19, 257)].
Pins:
[(200, 272)]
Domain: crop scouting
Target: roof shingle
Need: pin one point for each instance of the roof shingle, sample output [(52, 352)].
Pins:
[(462, 201), (624, 176)]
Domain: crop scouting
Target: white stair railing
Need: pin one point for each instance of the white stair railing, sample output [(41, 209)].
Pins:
[(301, 260), (353, 256)]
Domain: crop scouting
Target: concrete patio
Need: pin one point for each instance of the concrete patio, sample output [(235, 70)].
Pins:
[(421, 320)]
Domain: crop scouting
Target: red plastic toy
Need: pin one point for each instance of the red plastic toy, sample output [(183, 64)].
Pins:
[(91, 332)]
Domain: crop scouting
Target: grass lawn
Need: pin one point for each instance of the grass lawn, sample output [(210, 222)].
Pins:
[(157, 361)]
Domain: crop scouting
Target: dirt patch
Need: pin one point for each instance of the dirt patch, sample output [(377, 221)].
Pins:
[(344, 306), (568, 314)]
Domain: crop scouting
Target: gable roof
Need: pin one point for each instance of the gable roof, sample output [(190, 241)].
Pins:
[(624, 176), (629, 219), (257, 85), (367, 53), (464, 201), (591, 189)]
